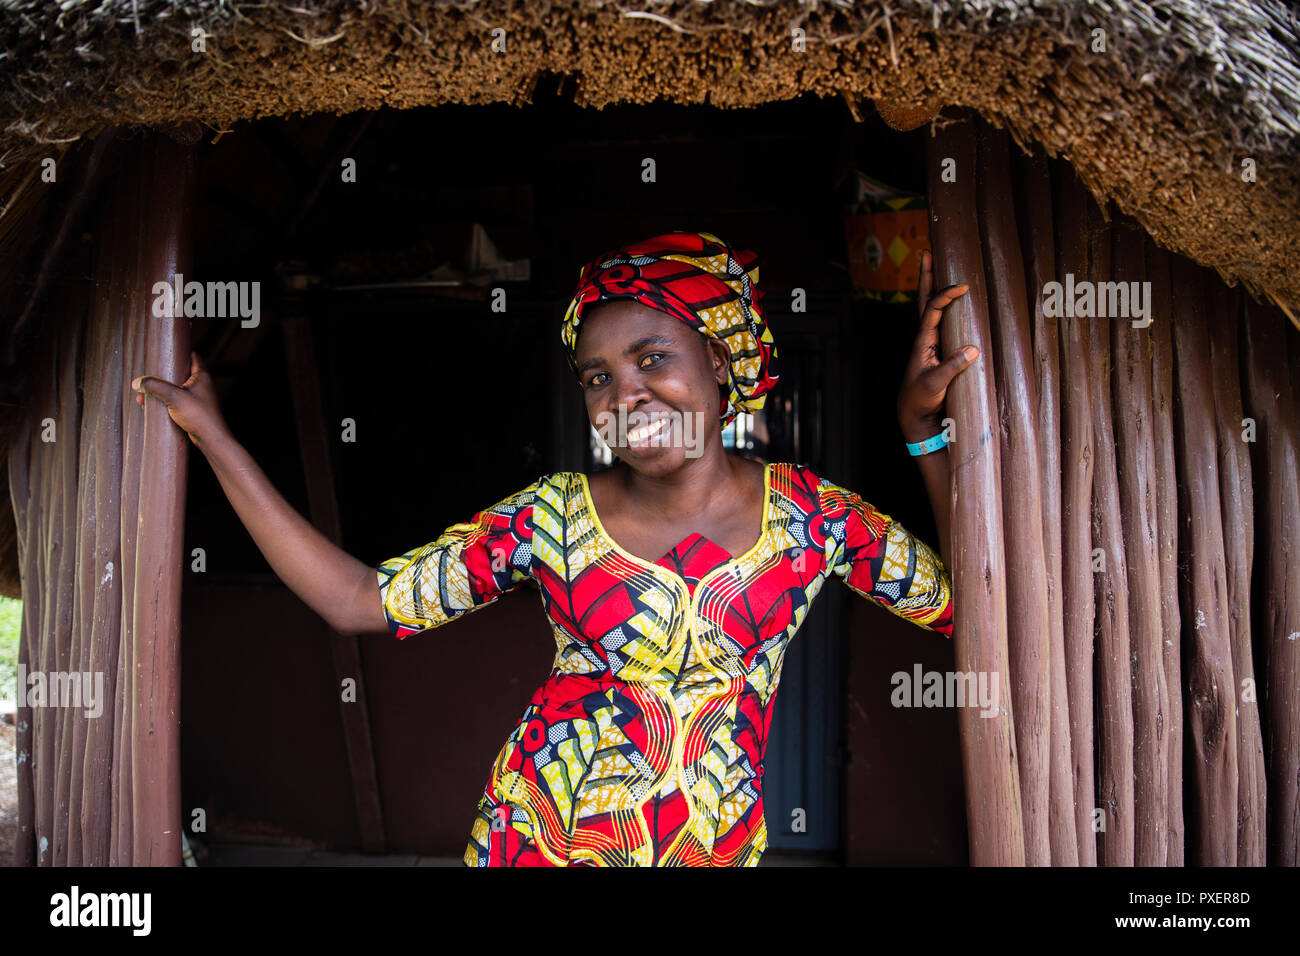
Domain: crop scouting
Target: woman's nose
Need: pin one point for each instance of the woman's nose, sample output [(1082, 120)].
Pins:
[(630, 391)]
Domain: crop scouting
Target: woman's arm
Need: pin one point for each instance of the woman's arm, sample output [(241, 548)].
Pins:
[(934, 472), (338, 587), (925, 385)]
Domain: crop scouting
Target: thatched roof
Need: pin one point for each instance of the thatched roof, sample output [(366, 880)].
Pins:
[(1160, 121)]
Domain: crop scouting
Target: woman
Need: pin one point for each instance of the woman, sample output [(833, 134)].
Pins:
[(644, 746)]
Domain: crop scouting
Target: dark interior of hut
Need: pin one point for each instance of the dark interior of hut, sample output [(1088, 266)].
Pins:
[(436, 405)]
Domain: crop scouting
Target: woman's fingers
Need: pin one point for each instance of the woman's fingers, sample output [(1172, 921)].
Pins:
[(934, 308), (926, 349), (958, 360), (165, 390), (159, 388)]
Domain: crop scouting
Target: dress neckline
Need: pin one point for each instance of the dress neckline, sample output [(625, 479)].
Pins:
[(609, 539)]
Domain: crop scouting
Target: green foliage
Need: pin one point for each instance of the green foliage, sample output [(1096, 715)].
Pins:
[(11, 619)]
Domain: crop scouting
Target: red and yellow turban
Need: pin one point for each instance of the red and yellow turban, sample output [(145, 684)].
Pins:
[(701, 280)]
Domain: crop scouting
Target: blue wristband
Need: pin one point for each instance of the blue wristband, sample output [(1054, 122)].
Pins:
[(927, 446)]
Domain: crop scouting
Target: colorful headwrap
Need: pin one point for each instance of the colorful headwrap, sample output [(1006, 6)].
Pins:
[(701, 280)]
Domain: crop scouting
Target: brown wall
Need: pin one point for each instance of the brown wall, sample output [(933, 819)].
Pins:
[(904, 800), (263, 736)]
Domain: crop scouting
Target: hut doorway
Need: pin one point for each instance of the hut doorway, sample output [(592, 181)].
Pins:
[(455, 404)]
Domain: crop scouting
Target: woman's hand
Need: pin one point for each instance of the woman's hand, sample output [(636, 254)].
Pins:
[(338, 587), (925, 383), (192, 405)]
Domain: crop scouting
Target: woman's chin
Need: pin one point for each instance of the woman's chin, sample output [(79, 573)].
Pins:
[(652, 460)]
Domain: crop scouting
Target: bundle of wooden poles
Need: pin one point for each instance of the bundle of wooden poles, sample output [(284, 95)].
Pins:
[(1126, 516), (98, 486)]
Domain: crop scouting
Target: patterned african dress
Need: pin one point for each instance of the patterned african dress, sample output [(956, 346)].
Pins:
[(645, 745)]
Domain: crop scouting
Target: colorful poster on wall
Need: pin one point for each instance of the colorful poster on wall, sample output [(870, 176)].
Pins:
[(885, 230)]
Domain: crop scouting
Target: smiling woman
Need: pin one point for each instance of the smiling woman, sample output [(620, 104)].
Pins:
[(673, 581)]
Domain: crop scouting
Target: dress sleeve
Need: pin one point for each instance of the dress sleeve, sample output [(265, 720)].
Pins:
[(467, 567), (878, 558)]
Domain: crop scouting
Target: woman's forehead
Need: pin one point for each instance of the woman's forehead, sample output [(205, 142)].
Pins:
[(619, 323)]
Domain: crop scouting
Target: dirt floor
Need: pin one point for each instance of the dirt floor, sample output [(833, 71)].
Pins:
[(8, 794)]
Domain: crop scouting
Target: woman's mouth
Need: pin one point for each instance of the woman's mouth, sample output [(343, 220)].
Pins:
[(646, 434)]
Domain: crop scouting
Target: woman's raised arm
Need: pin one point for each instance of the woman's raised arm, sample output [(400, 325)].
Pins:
[(338, 587), (925, 386)]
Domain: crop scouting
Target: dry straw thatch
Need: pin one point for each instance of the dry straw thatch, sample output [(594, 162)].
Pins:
[(1160, 122)]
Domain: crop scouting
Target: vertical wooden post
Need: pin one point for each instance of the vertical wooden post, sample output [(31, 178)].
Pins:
[(131, 300), (1076, 509), (100, 511), (322, 502), (1115, 697), (1162, 423), (1276, 468), (1034, 209), (979, 572), (1211, 719), (74, 743), (1237, 502), (103, 392), (1131, 384), (62, 586), (1017, 403), (167, 171)]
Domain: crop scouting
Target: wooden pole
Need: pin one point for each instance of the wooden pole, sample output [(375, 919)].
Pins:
[(304, 379), (1076, 510), (979, 573), (1034, 212), (1115, 842), (1211, 718), (1166, 508), (1138, 476), (1275, 465), (64, 560), (78, 310), (104, 394), (130, 233), (1237, 502), (1017, 403), (167, 174)]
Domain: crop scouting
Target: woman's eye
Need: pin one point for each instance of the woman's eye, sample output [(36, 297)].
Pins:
[(652, 355), (596, 379)]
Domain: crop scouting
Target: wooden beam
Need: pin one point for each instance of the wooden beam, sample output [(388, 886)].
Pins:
[(1132, 349), (103, 393), (1275, 465), (1017, 403), (128, 235), (1237, 500), (1211, 689), (313, 443), (1167, 528), (166, 169), (1034, 213), (63, 571), (1076, 509), (1114, 734), (992, 778)]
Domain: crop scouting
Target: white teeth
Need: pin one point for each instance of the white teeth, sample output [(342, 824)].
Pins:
[(646, 431)]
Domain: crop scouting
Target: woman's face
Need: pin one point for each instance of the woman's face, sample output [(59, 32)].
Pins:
[(650, 382)]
